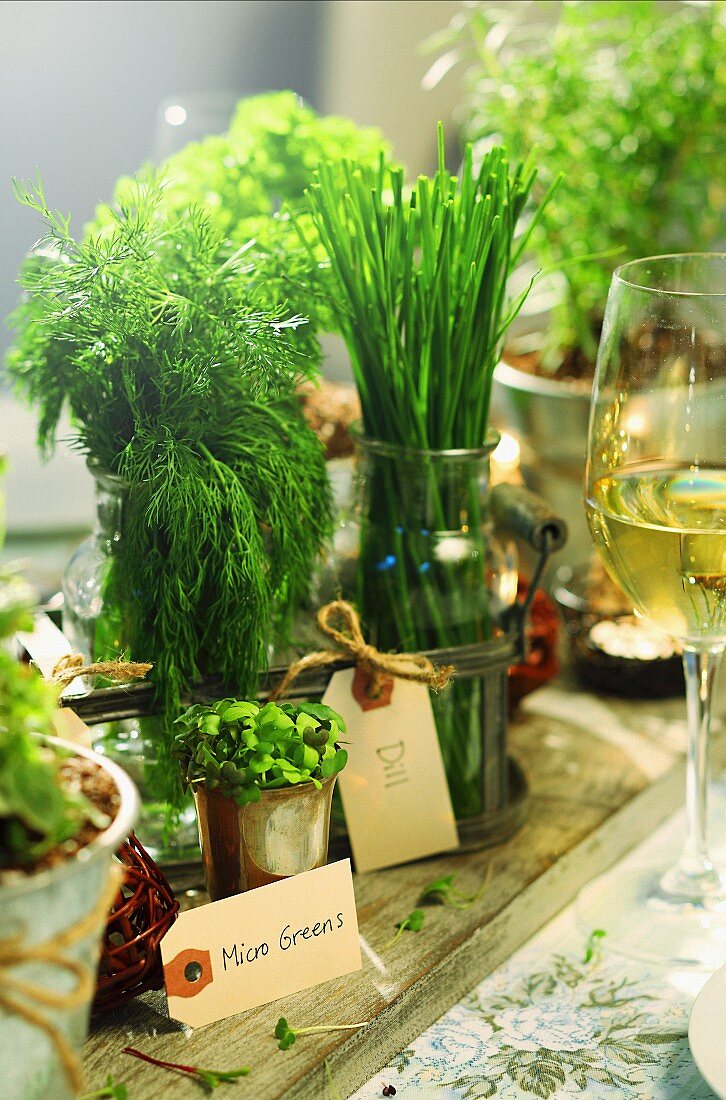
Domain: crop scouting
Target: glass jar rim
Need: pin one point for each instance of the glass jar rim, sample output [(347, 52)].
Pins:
[(399, 450), (626, 274), (101, 473)]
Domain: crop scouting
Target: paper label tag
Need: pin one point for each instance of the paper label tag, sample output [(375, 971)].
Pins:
[(245, 951), (45, 645), (70, 727), (394, 790)]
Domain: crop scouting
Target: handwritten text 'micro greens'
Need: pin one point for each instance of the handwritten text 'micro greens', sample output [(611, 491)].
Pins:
[(289, 938)]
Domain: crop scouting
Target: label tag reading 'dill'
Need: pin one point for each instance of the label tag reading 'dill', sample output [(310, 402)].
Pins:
[(394, 790), (245, 951)]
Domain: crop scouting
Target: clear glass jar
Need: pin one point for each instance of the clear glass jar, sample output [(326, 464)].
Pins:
[(92, 612), (95, 625), (433, 575)]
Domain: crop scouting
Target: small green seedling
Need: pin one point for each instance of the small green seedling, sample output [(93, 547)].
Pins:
[(412, 923), (110, 1091), (593, 950), (241, 748), (208, 1079), (443, 890), (287, 1035), (332, 1087)]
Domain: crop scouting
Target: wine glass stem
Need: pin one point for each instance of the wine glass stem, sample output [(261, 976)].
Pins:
[(695, 869)]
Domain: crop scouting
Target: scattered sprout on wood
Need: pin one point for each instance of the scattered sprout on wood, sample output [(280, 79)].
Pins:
[(593, 949), (389, 1090), (208, 1079), (443, 890), (286, 1035), (332, 1087), (240, 748), (112, 1090), (413, 923)]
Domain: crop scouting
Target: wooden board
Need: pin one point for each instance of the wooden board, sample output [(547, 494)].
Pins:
[(602, 776)]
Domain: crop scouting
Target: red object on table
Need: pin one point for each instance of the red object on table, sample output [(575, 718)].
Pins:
[(144, 910), (541, 664)]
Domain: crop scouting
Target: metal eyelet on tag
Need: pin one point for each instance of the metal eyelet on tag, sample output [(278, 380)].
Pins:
[(188, 973)]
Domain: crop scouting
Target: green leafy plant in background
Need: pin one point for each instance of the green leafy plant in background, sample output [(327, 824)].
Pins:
[(626, 100), (248, 180), (418, 284), (240, 748), (36, 812), (181, 382)]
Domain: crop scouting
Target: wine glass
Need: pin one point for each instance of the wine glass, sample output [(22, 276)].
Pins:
[(656, 505)]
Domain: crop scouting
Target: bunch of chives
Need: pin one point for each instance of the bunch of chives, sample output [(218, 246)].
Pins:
[(417, 281), (418, 285)]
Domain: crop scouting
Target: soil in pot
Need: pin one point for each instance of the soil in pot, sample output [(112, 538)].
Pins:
[(79, 776), (574, 365)]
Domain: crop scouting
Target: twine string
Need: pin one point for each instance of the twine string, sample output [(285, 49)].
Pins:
[(121, 672), (15, 952), (351, 642)]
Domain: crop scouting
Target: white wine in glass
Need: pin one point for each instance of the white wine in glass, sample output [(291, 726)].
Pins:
[(656, 505)]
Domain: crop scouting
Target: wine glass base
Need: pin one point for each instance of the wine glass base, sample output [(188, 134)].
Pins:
[(642, 921)]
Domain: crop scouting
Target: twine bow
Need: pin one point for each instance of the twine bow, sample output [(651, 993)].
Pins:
[(122, 672), (350, 641), (31, 999)]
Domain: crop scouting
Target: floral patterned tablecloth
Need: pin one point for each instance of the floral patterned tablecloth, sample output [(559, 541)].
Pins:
[(548, 1024)]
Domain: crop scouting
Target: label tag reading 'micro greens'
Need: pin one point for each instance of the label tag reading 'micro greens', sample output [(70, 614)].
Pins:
[(394, 790), (245, 951)]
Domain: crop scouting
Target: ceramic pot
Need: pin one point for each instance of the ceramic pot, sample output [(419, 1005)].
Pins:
[(549, 418), (283, 834), (38, 907)]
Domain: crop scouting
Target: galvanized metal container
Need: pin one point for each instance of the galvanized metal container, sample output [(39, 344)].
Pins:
[(38, 907)]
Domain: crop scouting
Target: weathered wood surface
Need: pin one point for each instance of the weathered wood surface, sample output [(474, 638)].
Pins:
[(602, 776)]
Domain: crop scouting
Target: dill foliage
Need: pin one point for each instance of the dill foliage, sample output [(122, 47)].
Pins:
[(252, 177), (182, 384)]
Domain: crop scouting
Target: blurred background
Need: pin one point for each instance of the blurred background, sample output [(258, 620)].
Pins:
[(627, 102), (90, 91)]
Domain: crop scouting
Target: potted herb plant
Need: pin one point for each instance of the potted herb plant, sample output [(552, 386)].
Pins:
[(263, 779), (63, 813), (417, 282), (213, 500), (624, 101)]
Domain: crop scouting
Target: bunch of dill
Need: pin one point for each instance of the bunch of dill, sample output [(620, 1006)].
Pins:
[(180, 382)]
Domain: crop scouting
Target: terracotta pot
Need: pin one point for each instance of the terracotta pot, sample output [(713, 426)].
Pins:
[(283, 834)]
